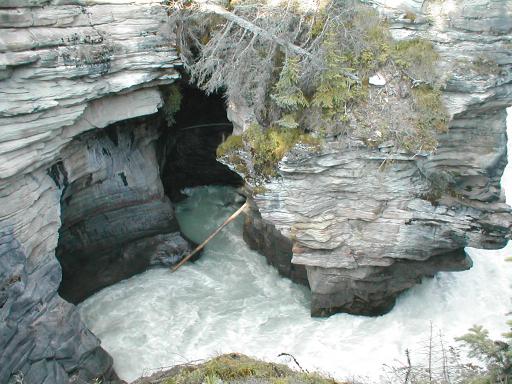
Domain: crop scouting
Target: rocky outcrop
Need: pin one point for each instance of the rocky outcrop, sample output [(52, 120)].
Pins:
[(266, 239), (66, 67), (368, 223), (365, 224), (42, 338)]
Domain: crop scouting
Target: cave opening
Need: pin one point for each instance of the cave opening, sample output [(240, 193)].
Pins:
[(120, 184), (188, 146)]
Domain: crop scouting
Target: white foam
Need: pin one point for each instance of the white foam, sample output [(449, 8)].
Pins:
[(231, 300)]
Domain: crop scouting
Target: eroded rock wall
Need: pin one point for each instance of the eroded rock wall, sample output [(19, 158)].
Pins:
[(116, 218), (368, 224), (66, 67)]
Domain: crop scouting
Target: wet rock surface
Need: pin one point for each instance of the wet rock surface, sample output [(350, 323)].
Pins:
[(364, 224), (266, 239)]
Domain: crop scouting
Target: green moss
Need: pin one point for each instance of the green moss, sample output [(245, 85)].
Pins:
[(269, 146), (239, 163), (231, 144), (431, 118), (172, 102), (414, 52), (259, 190), (237, 368)]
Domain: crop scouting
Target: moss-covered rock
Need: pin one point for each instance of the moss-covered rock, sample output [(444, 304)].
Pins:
[(235, 368)]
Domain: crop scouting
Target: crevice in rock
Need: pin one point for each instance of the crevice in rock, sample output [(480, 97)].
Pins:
[(188, 148)]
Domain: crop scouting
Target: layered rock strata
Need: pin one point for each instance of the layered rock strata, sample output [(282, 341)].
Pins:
[(368, 224), (66, 67), (116, 219)]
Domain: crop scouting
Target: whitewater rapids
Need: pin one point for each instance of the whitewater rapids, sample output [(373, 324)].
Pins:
[(231, 300)]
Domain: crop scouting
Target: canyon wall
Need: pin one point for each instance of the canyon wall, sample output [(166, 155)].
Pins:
[(363, 224), (67, 67), (369, 223), (116, 218)]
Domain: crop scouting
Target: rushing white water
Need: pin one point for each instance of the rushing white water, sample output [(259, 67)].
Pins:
[(231, 300)]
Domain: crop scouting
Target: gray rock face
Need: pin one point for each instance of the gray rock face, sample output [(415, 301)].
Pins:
[(116, 219), (66, 67), (42, 338), (368, 224), (266, 239)]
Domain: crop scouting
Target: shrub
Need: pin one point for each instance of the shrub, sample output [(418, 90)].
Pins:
[(417, 58), (495, 354), (311, 68)]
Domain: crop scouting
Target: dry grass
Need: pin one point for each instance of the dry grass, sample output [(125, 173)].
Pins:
[(235, 368)]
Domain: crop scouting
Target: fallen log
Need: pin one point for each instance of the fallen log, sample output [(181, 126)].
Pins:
[(214, 233)]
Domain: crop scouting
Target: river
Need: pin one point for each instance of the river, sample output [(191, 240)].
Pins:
[(231, 300)]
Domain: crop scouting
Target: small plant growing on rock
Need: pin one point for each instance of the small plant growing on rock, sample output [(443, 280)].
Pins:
[(172, 103), (231, 144), (268, 146)]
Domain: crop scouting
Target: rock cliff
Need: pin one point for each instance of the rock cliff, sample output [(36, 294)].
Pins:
[(116, 219), (67, 67), (363, 224), (367, 223)]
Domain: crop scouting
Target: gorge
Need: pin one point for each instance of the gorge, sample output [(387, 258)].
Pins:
[(91, 171)]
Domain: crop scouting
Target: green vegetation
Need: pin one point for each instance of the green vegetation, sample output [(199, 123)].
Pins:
[(410, 16), (495, 354), (236, 368), (335, 89), (268, 146), (172, 102), (230, 149), (417, 59), (231, 144), (309, 73), (431, 119), (287, 94)]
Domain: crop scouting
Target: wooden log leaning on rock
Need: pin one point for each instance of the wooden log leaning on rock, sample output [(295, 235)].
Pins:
[(214, 233)]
